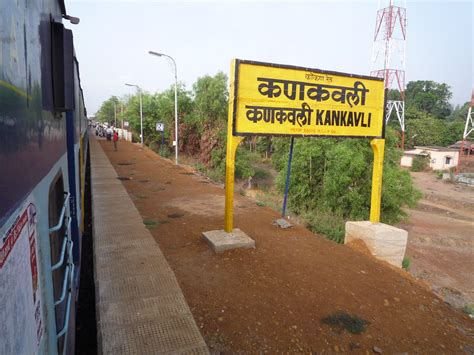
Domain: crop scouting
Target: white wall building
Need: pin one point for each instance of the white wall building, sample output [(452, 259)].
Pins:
[(440, 158)]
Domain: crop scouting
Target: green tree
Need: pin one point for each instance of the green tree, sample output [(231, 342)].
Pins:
[(108, 110), (460, 112), (206, 125), (157, 107), (425, 130), (429, 97), (210, 102)]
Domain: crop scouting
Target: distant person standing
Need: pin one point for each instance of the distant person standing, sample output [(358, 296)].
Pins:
[(115, 140)]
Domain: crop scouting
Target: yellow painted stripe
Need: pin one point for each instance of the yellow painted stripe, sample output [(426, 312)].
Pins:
[(82, 178), (15, 89)]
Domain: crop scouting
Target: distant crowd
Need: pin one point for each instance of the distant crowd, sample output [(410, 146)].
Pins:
[(105, 130)]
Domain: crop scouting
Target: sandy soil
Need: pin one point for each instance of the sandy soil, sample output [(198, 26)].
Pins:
[(441, 238), (273, 298)]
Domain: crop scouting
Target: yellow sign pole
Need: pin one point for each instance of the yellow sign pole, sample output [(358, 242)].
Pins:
[(378, 147), (232, 144)]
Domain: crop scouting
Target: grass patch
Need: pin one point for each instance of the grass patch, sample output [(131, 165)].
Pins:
[(345, 321), (260, 203), (327, 223), (163, 151), (150, 224)]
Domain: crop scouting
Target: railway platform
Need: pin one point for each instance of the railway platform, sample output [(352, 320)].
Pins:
[(140, 307)]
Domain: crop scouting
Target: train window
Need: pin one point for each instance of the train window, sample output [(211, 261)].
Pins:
[(57, 80), (56, 201), (62, 67)]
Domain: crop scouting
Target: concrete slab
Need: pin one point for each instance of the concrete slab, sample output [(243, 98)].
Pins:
[(385, 242), (282, 223), (220, 240)]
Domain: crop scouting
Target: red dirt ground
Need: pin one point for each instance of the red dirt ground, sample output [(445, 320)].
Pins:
[(272, 298), (441, 238)]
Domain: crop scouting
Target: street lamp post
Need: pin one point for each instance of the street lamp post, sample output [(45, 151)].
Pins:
[(141, 110), (115, 115), (175, 100)]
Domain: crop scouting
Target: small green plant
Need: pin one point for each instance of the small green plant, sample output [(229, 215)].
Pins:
[(150, 224), (260, 203), (345, 321), (164, 152), (406, 263), (200, 166)]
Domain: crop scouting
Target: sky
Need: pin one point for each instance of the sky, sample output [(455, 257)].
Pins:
[(113, 38)]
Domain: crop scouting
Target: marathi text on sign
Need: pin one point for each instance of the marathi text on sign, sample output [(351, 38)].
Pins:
[(280, 100)]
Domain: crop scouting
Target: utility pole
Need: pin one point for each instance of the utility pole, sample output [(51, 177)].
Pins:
[(176, 147), (115, 115), (388, 56)]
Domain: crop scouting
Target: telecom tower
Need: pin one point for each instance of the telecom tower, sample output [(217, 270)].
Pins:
[(468, 129), (388, 56)]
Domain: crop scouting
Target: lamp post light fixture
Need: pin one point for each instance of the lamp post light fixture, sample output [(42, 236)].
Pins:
[(175, 100), (141, 110)]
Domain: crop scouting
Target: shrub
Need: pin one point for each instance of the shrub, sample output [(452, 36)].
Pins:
[(420, 163), (469, 309), (331, 181), (243, 168), (327, 223), (261, 173)]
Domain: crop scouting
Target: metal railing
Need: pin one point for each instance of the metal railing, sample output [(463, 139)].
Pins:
[(63, 213), (65, 259), (63, 249)]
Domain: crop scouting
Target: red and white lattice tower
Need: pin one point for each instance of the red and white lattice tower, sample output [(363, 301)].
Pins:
[(468, 129), (388, 56)]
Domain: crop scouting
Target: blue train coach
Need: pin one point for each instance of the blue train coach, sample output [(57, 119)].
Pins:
[(43, 150)]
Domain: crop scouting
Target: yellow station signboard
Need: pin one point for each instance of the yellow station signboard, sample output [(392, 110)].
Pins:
[(270, 99)]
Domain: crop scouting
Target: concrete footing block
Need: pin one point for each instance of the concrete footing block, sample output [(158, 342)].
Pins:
[(220, 240), (385, 242)]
